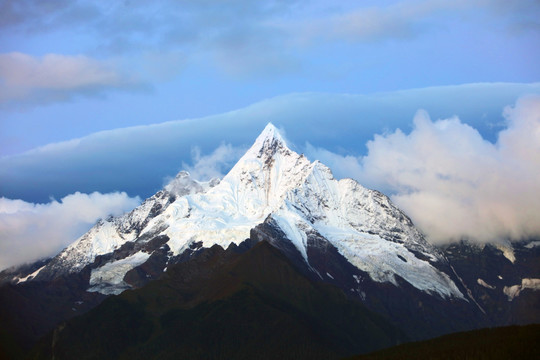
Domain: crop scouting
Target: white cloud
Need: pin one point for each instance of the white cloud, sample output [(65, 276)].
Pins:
[(343, 166), (214, 165), (31, 231), (452, 182), (40, 79)]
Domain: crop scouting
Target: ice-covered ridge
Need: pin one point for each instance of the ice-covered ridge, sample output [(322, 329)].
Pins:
[(370, 232), (184, 184), (30, 276), (110, 234), (109, 278)]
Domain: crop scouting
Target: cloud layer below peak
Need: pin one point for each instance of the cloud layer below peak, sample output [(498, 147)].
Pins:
[(451, 181), (31, 231)]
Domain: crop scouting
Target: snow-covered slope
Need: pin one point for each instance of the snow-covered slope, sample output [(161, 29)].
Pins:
[(110, 234), (255, 187), (269, 181)]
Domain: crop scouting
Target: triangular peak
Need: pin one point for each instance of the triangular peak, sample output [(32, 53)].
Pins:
[(269, 164), (270, 132), (269, 139)]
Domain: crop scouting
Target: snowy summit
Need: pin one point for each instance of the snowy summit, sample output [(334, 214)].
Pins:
[(270, 184)]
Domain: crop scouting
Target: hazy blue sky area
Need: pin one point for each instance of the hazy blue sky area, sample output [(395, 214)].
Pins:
[(436, 103)]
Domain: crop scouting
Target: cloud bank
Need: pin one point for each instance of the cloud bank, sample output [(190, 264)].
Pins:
[(30, 231), (137, 159), (451, 181)]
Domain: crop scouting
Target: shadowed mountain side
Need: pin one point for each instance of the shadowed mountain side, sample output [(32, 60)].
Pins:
[(511, 342), (489, 274), (419, 314), (224, 305), (30, 310)]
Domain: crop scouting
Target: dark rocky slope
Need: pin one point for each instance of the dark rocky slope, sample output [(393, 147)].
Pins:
[(224, 304)]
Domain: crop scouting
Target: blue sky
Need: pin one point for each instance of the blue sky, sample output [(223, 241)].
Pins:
[(113, 98), (70, 68)]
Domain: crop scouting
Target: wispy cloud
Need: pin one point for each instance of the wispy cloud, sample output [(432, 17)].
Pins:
[(454, 183), (242, 39), (215, 164), (401, 20), (31, 231), (395, 21), (39, 16), (24, 78), (259, 35)]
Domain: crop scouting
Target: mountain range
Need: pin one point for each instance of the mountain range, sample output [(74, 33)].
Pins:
[(277, 258)]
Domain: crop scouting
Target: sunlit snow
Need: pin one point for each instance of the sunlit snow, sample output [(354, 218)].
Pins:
[(512, 291), (301, 197)]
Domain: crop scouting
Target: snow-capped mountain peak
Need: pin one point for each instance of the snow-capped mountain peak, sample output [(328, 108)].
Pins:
[(268, 142), (255, 187), (269, 184)]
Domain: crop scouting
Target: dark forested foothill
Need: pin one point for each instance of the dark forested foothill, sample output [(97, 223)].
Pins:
[(224, 305), (511, 342)]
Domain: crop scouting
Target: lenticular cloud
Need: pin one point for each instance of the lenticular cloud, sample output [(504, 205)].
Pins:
[(454, 184)]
